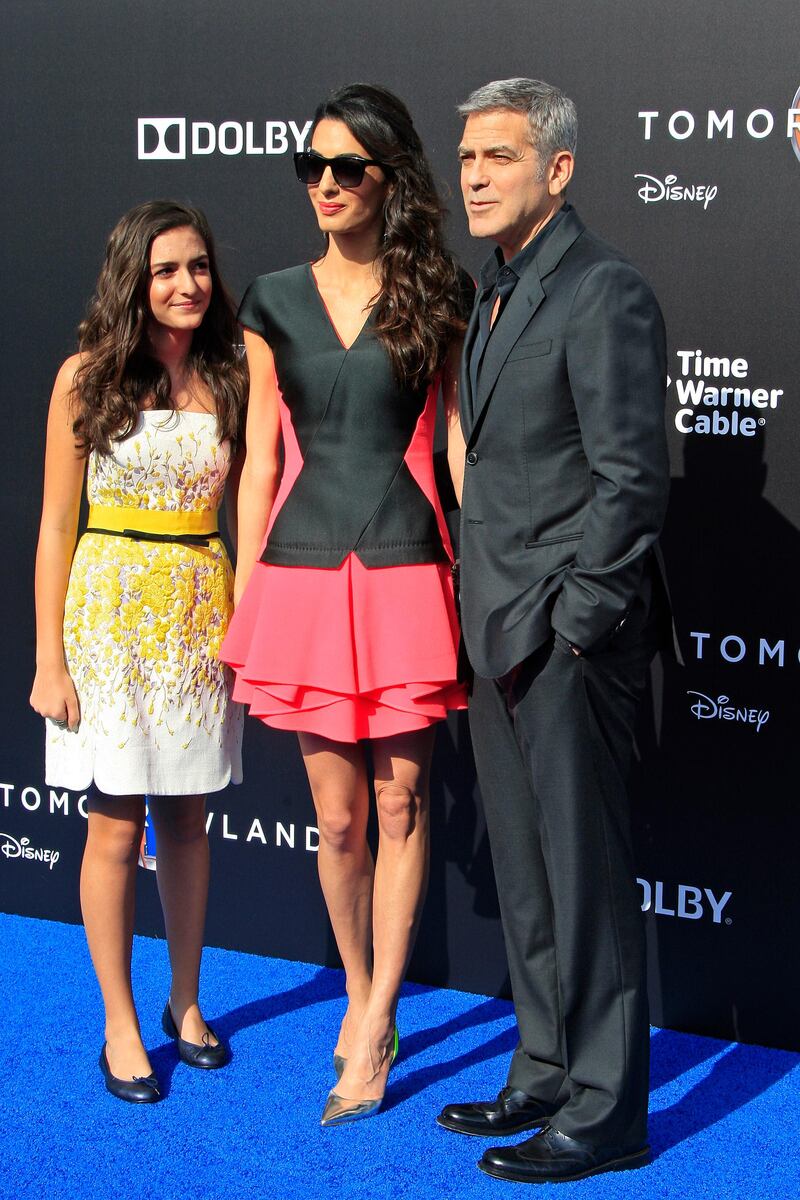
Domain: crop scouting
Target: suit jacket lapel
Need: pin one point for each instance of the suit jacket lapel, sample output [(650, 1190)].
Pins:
[(525, 299)]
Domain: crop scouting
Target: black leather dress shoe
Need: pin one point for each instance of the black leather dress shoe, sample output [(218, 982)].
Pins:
[(552, 1157), (142, 1089), (207, 1057), (512, 1112)]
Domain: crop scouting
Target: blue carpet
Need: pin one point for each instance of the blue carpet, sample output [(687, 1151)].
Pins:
[(724, 1121)]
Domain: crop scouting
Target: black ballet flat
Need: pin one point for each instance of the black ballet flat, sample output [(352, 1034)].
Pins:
[(206, 1057), (142, 1089)]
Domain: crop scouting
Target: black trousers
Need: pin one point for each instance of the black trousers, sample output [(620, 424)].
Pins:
[(552, 753)]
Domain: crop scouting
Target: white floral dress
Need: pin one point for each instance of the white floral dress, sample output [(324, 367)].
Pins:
[(143, 623)]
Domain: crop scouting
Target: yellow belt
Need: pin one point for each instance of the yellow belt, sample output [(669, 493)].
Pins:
[(148, 522)]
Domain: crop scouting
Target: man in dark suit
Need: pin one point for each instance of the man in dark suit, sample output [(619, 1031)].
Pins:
[(565, 487)]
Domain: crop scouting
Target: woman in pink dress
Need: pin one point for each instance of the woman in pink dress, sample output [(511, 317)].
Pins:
[(345, 628)]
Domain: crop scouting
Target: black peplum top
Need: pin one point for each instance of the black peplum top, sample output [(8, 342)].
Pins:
[(354, 424)]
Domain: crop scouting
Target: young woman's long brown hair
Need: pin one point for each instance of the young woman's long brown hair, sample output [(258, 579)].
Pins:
[(118, 373), (424, 301)]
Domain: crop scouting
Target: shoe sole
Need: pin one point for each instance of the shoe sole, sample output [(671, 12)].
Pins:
[(494, 1133), (196, 1066), (631, 1162), (133, 1099)]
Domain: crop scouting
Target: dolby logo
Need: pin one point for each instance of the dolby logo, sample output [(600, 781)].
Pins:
[(684, 901), (162, 137), (177, 138)]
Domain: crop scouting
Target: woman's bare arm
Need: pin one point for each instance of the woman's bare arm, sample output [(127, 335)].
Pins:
[(261, 471), (53, 693)]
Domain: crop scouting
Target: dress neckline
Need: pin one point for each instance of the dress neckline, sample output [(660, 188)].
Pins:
[(329, 318), (177, 412)]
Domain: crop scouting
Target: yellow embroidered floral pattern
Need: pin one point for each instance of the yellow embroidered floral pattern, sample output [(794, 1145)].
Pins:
[(143, 624), (163, 465)]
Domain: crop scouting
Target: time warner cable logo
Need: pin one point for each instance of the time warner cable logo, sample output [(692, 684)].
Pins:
[(175, 138)]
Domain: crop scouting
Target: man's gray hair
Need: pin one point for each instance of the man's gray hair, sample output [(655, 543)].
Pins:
[(552, 116)]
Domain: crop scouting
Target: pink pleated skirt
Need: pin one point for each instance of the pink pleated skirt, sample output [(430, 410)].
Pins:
[(349, 653)]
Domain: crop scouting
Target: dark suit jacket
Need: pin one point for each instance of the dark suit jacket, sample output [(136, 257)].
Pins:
[(567, 474)]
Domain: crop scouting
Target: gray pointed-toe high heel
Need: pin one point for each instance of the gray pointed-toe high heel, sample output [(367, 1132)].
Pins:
[(339, 1110)]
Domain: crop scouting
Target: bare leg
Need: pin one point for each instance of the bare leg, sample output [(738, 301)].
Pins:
[(338, 779), (402, 768), (108, 883), (182, 868)]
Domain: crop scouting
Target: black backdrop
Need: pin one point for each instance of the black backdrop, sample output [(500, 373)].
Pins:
[(684, 161)]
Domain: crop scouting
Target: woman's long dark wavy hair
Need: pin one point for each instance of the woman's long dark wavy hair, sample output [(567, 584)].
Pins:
[(118, 372), (425, 299)]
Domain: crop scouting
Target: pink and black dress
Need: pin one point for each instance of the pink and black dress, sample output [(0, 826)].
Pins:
[(347, 627)]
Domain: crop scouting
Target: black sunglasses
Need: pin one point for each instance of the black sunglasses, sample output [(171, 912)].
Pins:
[(347, 169)]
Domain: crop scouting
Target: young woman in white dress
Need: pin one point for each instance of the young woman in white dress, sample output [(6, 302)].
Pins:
[(129, 623)]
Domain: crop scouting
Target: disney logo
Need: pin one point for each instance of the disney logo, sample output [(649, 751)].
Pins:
[(706, 708), (11, 848), (653, 190)]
